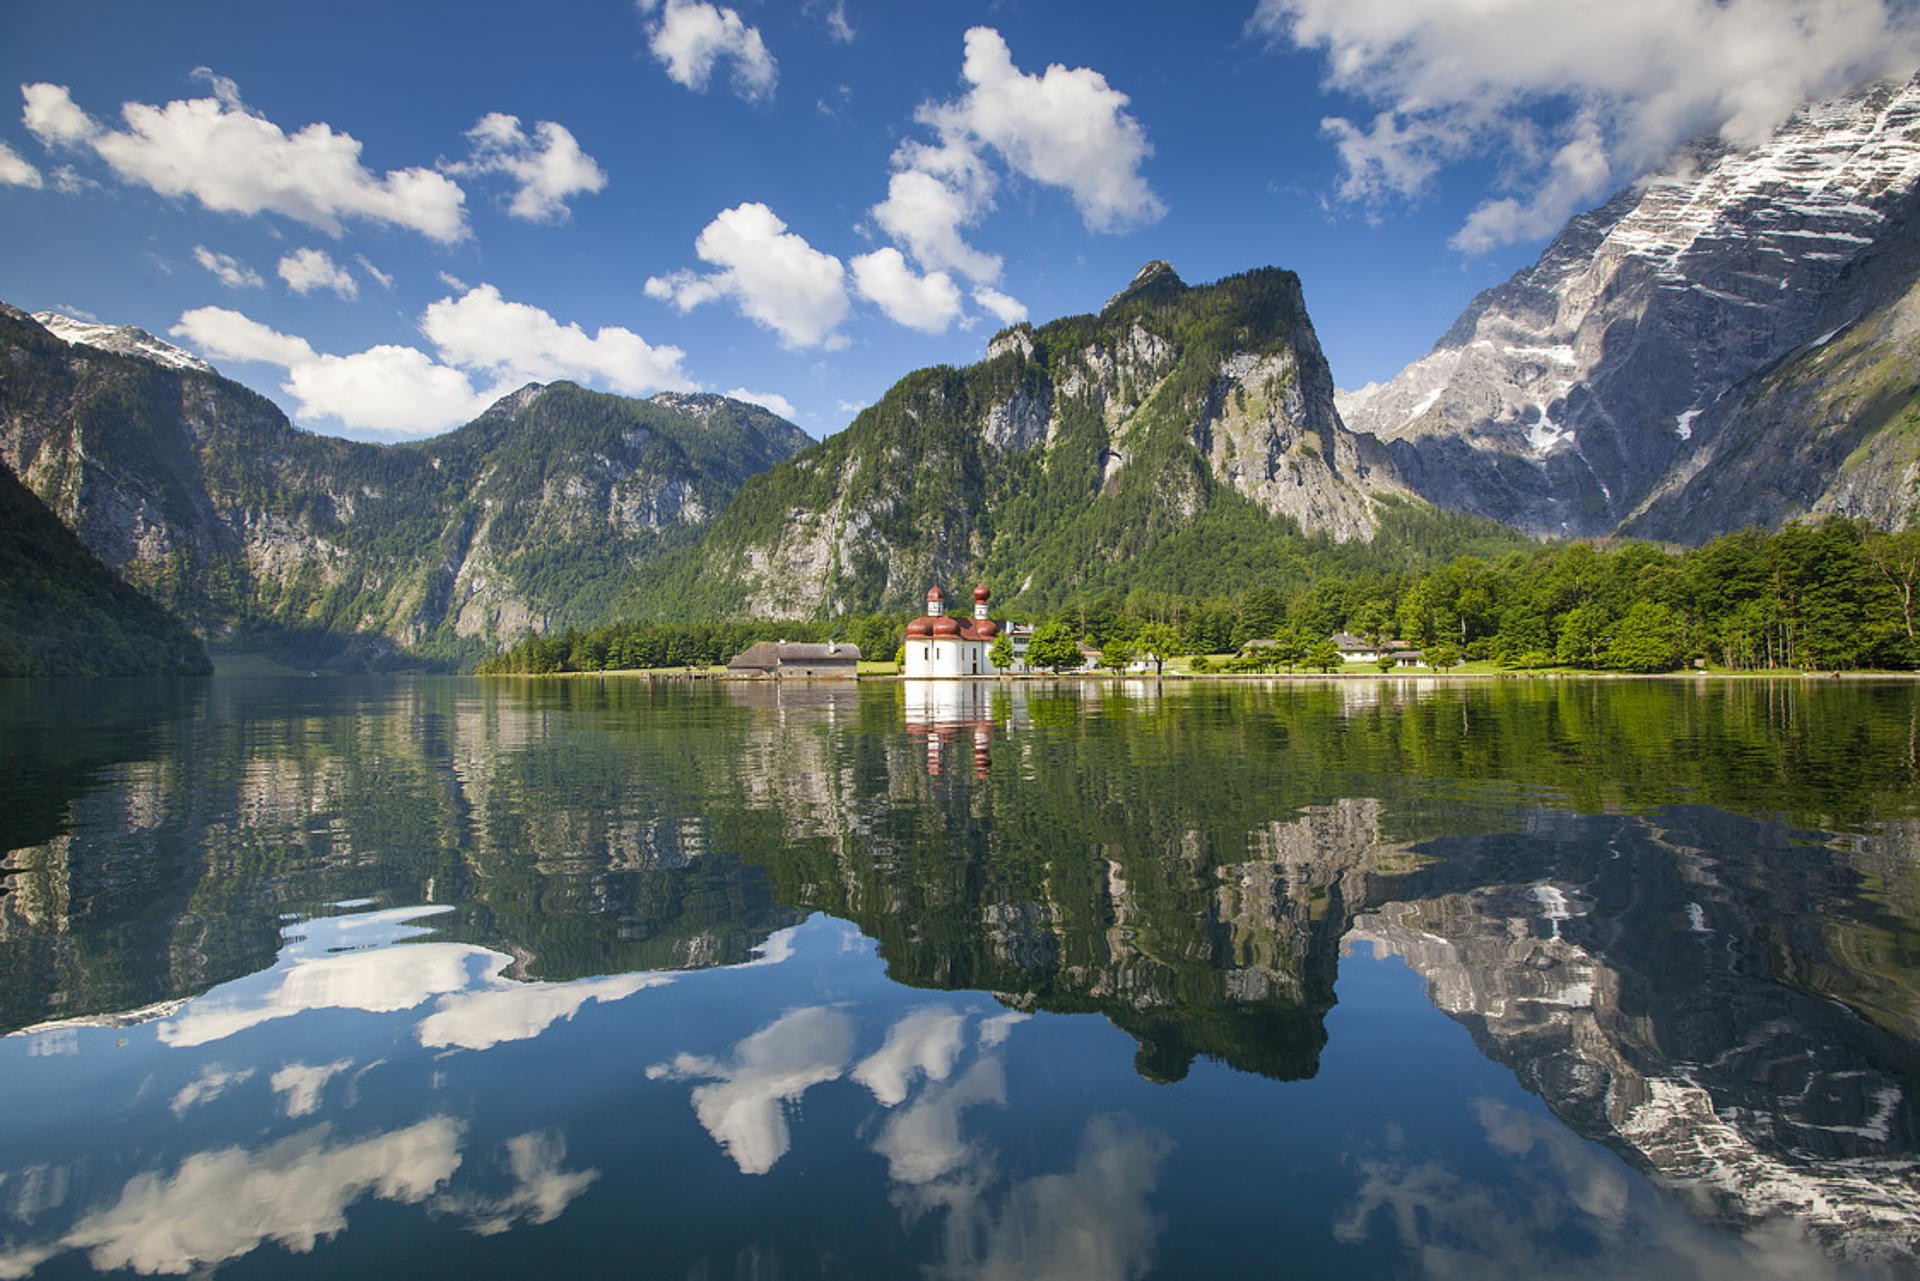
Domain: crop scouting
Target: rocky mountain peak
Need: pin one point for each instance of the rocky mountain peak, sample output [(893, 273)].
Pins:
[(515, 402), (1566, 396), (122, 340), (1155, 282)]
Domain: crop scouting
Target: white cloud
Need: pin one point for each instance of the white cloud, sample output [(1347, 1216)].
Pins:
[(52, 116), (231, 272), (299, 1084), (387, 390), (1006, 309), (217, 151), (771, 400), (773, 275), (548, 165), (925, 211), (16, 171), (833, 16), (453, 282), (744, 1105), (928, 303), (850, 406), (690, 37), (391, 390), (1062, 128), (374, 274), (1616, 87), (517, 343), (306, 270)]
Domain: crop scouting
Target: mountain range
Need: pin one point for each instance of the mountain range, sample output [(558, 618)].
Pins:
[(256, 533), (1727, 343)]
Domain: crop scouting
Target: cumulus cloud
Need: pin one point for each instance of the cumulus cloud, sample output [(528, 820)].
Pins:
[(929, 303), (306, 270), (773, 275), (770, 400), (1005, 308), (52, 116), (214, 1080), (517, 343), (691, 37), (541, 1190), (391, 390), (834, 17), (230, 271), (1573, 101), (548, 165), (15, 171), (219, 152), (1065, 128)]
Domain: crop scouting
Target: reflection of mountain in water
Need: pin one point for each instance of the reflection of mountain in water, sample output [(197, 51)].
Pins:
[(1655, 992), (1584, 872)]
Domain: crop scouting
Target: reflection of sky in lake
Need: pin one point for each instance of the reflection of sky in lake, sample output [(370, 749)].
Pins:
[(991, 1143), (1109, 1010)]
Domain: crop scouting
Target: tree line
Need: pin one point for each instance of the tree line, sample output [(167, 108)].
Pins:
[(1832, 595)]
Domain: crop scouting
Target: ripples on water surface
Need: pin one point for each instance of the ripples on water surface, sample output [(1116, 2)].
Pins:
[(1361, 978)]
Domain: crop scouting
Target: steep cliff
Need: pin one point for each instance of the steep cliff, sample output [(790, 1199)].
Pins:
[(200, 493), (63, 613), (1605, 375), (1167, 441)]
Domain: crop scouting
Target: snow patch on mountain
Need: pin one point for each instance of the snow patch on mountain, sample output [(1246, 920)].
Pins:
[(122, 340)]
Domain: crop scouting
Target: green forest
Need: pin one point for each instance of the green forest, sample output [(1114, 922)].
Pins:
[(1830, 596)]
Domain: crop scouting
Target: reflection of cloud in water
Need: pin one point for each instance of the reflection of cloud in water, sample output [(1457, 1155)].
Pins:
[(743, 1107), (479, 1007), (1565, 1191), (300, 1084), (503, 1010), (927, 1040), (214, 1080), (220, 1205), (1091, 1223), (541, 1191), (923, 1142)]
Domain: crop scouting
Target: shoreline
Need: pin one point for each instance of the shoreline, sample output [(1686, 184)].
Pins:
[(657, 673)]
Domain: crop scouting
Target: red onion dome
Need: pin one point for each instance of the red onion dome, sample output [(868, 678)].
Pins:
[(946, 625), (920, 627), (934, 593), (985, 629), (981, 593)]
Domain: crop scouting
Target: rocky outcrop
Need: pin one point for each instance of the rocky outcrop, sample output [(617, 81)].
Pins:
[(1595, 385)]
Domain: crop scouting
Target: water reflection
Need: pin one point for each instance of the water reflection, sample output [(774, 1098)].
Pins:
[(340, 935)]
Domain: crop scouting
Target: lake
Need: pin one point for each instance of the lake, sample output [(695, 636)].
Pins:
[(1353, 978)]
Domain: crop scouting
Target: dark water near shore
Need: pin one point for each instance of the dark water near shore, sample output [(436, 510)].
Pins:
[(1394, 978)]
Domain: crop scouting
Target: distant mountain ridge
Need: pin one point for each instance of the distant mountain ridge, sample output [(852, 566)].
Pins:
[(1598, 390), (202, 494)]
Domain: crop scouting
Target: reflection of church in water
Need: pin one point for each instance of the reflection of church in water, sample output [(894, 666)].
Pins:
[(948, 716)]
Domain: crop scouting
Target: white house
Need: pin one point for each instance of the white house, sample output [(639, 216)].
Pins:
[(938, 644)]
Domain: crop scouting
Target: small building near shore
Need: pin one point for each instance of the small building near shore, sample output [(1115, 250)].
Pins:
[(938, 644), (789, 659)]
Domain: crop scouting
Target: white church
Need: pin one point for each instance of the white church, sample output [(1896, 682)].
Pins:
[(938, 644)]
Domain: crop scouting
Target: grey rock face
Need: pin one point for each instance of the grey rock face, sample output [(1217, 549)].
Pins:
[(1563, 399)]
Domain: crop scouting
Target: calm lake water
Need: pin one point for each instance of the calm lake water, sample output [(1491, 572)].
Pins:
[(1345, 979)]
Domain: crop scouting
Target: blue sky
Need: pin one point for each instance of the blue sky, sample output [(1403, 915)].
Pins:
[(382, 214)]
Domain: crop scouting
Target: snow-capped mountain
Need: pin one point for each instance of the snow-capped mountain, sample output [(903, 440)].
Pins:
[(125, 340), (1566, 397)]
